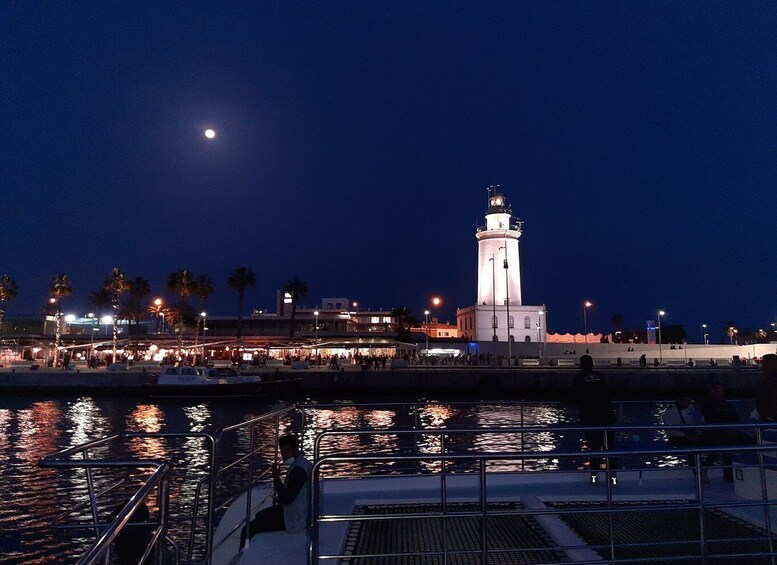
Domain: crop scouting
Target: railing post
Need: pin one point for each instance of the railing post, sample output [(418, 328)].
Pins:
[(164, 516), (523, 440), (608, 480), (313, 546), (444, 499), (92, 496), (483, 513), (765, 492)]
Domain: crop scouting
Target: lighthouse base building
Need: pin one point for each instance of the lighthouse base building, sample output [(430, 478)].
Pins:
[(499, 317)]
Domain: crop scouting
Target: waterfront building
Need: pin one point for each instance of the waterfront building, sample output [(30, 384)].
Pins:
[(499, 314)]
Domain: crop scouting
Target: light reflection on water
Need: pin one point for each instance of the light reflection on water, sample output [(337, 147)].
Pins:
[(30, 429)]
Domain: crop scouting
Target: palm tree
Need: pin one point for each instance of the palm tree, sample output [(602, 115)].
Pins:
[(297, 289), (405, 321), (60, 288), (241, 279), (617, 322), (181, 283), (116, 284), (135, 308), (204, 288), (731, 331), (8, 290)]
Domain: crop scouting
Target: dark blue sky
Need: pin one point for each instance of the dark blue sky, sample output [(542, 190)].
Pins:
[(356, 139)]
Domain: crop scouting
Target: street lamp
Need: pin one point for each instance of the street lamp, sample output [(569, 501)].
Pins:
[(106, 320), (158, 310), (660, 354), (539, 332), (203, 315), (316, 315), (586, 306), (426, 354), (90, 315), (493, 299), (704, 334), (507, 303)]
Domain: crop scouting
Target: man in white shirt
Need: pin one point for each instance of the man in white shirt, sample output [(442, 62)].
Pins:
[(684, 413)]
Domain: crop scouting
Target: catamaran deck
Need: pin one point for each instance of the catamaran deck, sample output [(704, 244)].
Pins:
[(528, 517)]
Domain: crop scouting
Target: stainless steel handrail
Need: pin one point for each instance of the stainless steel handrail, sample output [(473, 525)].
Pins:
[(66, 458), (481, 459)]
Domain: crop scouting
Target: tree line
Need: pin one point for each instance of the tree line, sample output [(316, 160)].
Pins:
[(127, 298)]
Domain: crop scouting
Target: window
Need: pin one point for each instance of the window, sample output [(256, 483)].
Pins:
[(526, 323), (375, 319), (528, 338), (494, 322), (510, 322)]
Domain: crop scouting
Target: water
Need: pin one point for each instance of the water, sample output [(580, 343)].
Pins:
[(36, 497)]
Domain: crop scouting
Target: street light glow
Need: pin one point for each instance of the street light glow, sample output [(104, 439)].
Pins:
[(210, 134)]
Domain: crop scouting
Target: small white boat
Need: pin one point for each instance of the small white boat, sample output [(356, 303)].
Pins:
[(186, 381)]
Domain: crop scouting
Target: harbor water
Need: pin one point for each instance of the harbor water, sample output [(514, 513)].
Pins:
[(30, 428)]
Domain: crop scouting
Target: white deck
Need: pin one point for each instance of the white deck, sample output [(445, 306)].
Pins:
[(532, 489)]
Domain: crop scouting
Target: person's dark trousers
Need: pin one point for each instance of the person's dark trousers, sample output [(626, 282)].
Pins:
[(266, 520), (726, 437), (595, 441)]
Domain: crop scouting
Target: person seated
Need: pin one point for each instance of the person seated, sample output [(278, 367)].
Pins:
[(134, 538), (291, 511), (684, 413)]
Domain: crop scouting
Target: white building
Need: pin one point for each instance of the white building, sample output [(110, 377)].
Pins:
[(499, 314)]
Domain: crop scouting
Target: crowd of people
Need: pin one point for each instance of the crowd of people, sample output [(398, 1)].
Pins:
[(688, 426)]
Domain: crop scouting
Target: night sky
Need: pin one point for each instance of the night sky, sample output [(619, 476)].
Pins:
[(355, 142)]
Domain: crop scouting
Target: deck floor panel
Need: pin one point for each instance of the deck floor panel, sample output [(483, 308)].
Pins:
[(510, 539), (665, 534)]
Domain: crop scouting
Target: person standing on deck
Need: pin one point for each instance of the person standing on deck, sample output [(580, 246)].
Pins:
[(716, 409), (594, 409), (292, 495), (766, 401)]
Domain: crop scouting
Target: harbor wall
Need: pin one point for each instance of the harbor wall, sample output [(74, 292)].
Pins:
[(43, 382), (530, 380), (475, 381)]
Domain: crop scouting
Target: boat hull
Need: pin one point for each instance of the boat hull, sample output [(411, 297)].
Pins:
[(215, 390)]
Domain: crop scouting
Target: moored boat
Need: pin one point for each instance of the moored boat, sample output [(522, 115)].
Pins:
[(191, 381)]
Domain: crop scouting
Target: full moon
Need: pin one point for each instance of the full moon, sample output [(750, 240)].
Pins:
[(210, 134)]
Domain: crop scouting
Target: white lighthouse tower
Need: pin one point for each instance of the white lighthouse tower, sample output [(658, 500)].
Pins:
[(499, 316), (499, 264)]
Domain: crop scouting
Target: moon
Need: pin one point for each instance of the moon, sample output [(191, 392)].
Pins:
[(210, 134)]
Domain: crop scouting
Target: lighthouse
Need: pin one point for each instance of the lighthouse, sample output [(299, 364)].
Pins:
[(499, 264), (499, 319)]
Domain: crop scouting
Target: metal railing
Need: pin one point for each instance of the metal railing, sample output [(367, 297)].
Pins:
[(451, 464), (258, 450), (205, 507)]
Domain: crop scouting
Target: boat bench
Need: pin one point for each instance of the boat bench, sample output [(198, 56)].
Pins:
[(747, 473), (676, 363), (566, 363), (277, 548), (530, 362)]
